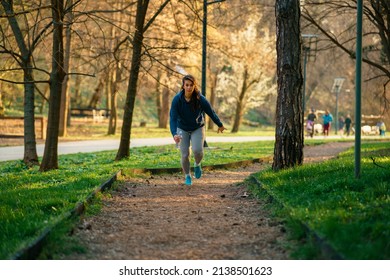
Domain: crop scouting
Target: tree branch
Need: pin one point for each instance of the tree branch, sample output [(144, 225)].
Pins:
[(155, 15), (23, 83)]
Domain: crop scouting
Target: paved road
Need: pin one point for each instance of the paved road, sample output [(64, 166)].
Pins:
[(16, 152)]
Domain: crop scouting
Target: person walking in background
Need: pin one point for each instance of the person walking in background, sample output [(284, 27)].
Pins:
[(348, 122), (310, 122), (187, 124), (382, 128), (327, 121)]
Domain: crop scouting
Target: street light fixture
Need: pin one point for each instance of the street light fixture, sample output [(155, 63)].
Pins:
[(309, 45), (336, 88)]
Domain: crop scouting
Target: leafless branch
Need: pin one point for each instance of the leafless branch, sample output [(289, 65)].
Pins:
[(155, 15), (23, 83), (25, 12)]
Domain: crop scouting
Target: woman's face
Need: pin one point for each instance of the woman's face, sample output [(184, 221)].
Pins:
[(188, 86)]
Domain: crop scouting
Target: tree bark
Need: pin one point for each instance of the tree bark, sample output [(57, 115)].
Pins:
[(64, 112), (30, 145), (124, 146), (288, 151), (113, 90), (50, 155)]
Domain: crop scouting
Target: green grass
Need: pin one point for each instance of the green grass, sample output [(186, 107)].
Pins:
[(30, 200), (353, 215)]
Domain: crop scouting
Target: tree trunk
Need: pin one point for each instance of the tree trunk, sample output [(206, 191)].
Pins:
[(124, 146), (77, 102), (159, 95), (50, 155), (30, 150), (30, 145), (113, 89), (288, 150), (164, 116), (97, 95), (64, 111), (240, 103), (2, 111), (213, 86)]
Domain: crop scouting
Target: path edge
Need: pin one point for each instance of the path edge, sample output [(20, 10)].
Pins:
[(34, 248), (327, 250)]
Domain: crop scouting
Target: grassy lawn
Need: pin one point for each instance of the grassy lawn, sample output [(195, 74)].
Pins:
[(353, 215), (30, 200)]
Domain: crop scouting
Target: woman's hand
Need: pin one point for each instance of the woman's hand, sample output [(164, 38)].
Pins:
[(177, 138), (221, 129)]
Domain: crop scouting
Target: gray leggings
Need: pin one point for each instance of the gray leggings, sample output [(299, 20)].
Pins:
[(196, 139)]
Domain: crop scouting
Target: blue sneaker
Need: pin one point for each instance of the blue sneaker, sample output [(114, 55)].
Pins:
[(198, 171), (188, 180)]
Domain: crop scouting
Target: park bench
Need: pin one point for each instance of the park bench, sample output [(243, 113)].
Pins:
[(97, 114)]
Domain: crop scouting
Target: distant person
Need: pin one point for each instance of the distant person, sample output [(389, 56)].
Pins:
[(327, 119), (310, 122), (187, 124), (348, 122), (382, 128), (341, 124)]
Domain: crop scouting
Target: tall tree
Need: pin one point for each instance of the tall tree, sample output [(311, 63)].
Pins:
[(289, 130), (25, 60), (140, 29), (50, 155), (64, 112), (241, 100)]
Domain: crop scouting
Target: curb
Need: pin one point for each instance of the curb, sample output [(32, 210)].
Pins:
[(327, 250), (32, 251)]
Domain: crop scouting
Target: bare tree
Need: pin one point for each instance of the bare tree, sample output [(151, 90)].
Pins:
[(140, 29), (25, 59), (288, 150), (247, 82), (50, 155), (64, 112)]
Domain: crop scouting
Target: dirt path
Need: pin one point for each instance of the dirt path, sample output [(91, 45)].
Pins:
[(157, 217)]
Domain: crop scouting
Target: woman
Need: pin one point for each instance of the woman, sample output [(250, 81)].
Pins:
[(327, 118), (187, 124)]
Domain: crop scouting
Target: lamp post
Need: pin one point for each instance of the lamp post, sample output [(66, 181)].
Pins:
[(337, 84), (309, 44), (204, 41), (204, 47), (358, 82)]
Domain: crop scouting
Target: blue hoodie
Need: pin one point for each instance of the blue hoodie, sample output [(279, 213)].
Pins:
[(182, 114)]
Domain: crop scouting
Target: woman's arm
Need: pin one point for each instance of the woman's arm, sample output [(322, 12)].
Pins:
[(173, 115), (206, 106)]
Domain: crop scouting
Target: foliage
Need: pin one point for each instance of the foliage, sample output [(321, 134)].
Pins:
[(351, 214), (30, 200)]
